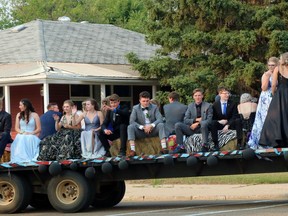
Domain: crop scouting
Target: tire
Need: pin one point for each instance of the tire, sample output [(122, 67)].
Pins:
[(69, 192), (110, 194), (15, 193), (40, 201)]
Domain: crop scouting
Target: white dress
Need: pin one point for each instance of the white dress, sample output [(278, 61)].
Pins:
[(25, 148), (261, 112)]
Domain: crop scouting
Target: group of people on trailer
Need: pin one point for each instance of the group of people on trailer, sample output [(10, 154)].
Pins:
[(57, 136)]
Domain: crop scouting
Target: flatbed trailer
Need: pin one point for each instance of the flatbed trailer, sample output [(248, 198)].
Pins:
[(73, 185)]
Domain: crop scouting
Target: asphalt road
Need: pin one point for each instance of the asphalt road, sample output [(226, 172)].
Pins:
[(182, 208)]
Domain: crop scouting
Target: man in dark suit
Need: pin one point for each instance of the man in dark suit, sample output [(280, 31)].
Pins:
[(146, 121), (225, 116), (5, 128), (198, 118), (174, 112), (47, 120), (115, 125)]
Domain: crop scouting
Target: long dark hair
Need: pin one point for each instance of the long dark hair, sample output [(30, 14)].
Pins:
[(28, 108)]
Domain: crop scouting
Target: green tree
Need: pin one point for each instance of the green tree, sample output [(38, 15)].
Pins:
[(128, 14), (209, 43), (5, 15)]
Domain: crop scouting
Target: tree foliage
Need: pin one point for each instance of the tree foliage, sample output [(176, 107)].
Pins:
[(128, 14), (214, 43)]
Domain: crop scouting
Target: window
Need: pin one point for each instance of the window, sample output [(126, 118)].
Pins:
[(80, 91)]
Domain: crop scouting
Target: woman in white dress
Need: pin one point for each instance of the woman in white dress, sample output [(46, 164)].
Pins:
[(25, 147), (263, 104), (91, 146)]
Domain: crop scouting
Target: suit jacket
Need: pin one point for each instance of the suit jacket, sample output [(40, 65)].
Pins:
[(206, 113), (231, 112), (173, 112), (48, 123), (137, 116), (121, 116), (5, 122)]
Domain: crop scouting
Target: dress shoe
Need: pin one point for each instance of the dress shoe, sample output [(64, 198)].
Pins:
[(164, 151), (204, 148), (216, 148), (240, 146), (132, 153), (179, 149)]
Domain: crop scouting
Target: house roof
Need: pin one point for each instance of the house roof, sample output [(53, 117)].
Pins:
[(54, 51), (70, 42)]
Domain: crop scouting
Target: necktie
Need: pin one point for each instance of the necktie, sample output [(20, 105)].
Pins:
[(145, 108), (224, 108)]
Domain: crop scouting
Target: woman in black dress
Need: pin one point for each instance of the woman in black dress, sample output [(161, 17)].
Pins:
[(275, 128)]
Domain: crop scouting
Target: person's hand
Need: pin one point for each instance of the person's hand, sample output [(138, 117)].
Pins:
[(148, 129), (108, 132), (198, 119), (56, 117), (225, 129), (194, 125), (223, 121)]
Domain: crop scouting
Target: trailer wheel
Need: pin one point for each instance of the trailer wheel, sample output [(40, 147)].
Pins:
[(69, 192), (15, 193), (40, 201), (110, 194)]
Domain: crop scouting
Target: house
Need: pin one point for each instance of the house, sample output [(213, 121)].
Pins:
[(53, 61)]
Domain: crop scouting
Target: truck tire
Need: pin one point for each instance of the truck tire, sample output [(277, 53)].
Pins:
[(40, 201), (69, 192), (15, 193), (110, 194)]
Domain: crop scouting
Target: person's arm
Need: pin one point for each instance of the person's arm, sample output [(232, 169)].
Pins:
[(275, 79), (7, 123), (76, 119), (265, 80), (101, 119), (17, 124), (37, 125)]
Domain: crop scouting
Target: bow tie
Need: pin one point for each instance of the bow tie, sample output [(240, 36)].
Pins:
[(145, 108)]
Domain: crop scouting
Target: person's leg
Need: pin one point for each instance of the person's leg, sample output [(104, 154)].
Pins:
[(215, 126), (104, 140), (237, 125), (123, 139), (205, 132), (5, 138), (133, 133)]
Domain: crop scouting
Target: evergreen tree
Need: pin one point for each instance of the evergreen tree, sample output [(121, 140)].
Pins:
[(211, 43)]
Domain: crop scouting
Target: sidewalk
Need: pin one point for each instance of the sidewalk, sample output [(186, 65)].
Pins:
[(145, 192)]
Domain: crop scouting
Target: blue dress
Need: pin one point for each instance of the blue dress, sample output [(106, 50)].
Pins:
[(261, 112), (25, 148), (91, 146)]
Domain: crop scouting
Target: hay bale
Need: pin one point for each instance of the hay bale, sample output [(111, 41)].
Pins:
[(147, 146), (5, 157)]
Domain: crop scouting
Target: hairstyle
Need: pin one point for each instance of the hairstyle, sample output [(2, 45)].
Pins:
[(284, 57), (174, 95), (222, 88), (155, 102), (114, 97), (144, 94), (197, 90), (93, 102), (50, 105), (28, 108), (105, 101), (246, 97), (273, 59), (70, 102)]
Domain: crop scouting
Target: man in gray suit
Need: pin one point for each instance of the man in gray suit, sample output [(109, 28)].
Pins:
[(146, 121), (174, 112), (197, 119)]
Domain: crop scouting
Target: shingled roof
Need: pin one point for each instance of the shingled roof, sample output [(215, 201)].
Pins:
[(70, 42)]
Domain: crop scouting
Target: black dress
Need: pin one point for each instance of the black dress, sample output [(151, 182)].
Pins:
[(275, 128)]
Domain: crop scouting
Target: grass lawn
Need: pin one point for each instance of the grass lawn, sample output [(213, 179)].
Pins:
[(266, 178)]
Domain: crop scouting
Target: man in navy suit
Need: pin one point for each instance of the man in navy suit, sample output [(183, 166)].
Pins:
[(47, 120), (5, 128), (115, 124), (146, 121), (174, 112), (198, 118), (225, 116)]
